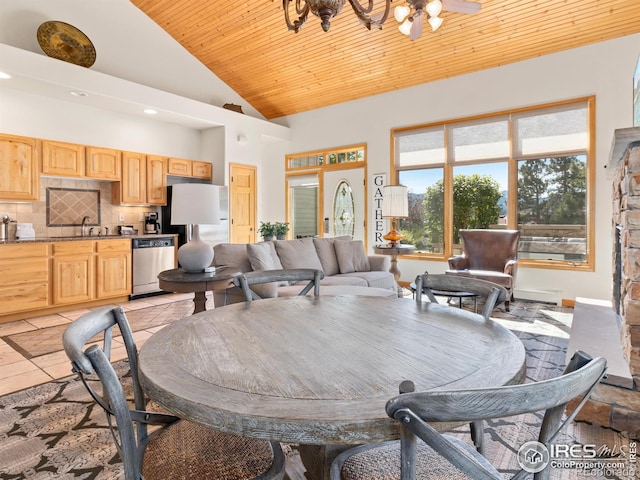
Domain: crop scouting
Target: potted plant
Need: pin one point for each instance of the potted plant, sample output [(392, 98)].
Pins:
[(280, 230), (267, 231)]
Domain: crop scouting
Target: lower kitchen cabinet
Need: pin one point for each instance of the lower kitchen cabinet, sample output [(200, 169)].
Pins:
[(46, 276), (24, 270), (114, 268), (73, 272)]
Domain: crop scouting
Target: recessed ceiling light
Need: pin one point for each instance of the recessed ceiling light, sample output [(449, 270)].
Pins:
[(78, 94), (4, 76), (150, 111)]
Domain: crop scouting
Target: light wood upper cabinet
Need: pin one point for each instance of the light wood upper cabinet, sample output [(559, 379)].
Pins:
[(200, 169), (19, 168), (144, 180), (103, 163), (179, 167), (63, 159), (133, 186), (156, 180)]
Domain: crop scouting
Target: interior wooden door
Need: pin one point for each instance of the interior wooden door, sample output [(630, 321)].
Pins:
[(349, 182), (242, 203)]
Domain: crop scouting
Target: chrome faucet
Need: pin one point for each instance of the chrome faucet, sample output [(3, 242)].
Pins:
[(84, 225), (91, 232)]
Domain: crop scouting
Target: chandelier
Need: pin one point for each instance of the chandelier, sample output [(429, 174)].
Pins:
[(410, 23), (327, 9)]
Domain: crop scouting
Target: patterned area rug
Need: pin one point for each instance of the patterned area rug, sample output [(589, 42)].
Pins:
[(56, 431)]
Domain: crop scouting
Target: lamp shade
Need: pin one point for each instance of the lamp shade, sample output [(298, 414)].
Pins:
[(195, 203), (395, 201)]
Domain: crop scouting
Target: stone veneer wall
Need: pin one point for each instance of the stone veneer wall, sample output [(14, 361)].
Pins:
[(613, 406), (626, 213)]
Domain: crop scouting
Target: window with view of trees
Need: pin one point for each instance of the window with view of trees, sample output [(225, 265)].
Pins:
[(525, 169)]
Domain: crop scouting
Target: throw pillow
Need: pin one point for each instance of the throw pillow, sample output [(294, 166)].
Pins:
[(327, 254), (299, 253), (352, 257), (263, 256)]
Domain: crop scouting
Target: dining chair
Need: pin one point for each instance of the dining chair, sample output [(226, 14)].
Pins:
[(152, 444), (491, 293), (267, 278), (433, 285), (424, 453)]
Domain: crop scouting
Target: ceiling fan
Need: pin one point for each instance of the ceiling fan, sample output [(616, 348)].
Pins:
[(411, 23)]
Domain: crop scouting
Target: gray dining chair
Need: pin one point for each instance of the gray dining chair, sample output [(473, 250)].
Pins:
[(424, 453), (433, 285), (174, 448), (272, 278)]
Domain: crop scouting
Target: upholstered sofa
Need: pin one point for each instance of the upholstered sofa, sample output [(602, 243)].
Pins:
[(347, 269)]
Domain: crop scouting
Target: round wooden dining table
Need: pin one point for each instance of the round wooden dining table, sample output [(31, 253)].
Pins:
[(319, 370)]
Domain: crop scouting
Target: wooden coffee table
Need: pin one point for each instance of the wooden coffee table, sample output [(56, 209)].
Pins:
[(178, 280)]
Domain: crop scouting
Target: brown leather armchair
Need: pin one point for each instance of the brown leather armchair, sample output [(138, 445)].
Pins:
[(488, 255)]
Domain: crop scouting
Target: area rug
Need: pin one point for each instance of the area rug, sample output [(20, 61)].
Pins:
[(56, 431)]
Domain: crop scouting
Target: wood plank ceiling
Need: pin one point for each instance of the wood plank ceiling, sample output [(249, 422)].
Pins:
[(247, 45)]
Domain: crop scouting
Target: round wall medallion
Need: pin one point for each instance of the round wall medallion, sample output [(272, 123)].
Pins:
[(65, 42)]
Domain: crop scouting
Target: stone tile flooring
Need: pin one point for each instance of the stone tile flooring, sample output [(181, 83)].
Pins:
[(31, 349)]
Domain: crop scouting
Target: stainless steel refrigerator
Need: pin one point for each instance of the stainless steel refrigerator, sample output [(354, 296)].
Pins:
[(212, 234)]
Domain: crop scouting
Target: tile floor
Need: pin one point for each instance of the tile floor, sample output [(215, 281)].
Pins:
[(18, 372)]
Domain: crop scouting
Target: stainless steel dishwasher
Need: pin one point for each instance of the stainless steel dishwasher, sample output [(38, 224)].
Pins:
[(150, 257)]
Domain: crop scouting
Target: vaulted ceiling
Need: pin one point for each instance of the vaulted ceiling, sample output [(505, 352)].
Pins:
[(247, 45)]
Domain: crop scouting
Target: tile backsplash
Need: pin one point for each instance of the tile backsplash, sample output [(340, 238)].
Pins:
[(73, 200), (68, 207)]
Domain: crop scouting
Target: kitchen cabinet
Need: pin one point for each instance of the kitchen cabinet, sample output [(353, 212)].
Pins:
[(156, 180), (132, 187), (62, 159), (73, 272), (144, 180), (19, 168), (189, 168), (179, 167), (103, 163), (113, 268), (24, 270), (200, 169)]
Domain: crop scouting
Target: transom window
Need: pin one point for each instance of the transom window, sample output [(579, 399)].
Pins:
[(528, 169)]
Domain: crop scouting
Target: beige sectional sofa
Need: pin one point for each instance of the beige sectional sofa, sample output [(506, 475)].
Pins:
[(348, 270)]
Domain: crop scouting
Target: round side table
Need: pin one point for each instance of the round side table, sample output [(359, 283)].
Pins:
[(394, 251), (178, 280)]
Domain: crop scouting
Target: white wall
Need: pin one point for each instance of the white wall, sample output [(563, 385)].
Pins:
[(41, 117), (604, 70)]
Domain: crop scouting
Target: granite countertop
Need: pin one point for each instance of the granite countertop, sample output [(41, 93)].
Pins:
[(73, 238)]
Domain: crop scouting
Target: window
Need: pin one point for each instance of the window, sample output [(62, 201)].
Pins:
[(528, 169)]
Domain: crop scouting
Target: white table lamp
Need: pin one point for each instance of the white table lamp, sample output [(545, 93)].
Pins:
[(195, 204), (395, 204)]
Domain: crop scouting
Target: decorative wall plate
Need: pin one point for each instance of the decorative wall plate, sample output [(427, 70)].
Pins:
[(65, 42)]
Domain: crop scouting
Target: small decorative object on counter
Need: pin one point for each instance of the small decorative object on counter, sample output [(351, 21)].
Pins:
[(25, 231), (4, 227)]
